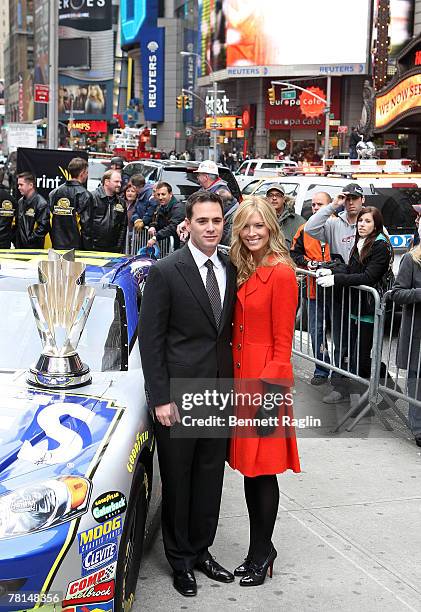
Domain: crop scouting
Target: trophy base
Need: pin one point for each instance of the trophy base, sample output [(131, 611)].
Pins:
[(59, 372)]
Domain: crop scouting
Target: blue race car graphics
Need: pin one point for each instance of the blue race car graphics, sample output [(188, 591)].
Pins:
[(76, 464)]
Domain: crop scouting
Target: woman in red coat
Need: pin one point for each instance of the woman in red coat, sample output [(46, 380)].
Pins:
[(264, 322)]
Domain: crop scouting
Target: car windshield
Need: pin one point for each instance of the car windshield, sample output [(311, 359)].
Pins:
[(97, 169), (99, 346)]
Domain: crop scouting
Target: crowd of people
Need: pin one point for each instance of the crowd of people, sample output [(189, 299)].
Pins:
[(208, 316)]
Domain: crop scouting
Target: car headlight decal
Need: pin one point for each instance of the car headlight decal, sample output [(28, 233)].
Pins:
[(41, 505)]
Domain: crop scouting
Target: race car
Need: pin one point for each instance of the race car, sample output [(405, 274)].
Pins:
[(76, 462)]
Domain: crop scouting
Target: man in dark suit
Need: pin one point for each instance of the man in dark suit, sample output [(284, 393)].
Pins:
[(185, 332)]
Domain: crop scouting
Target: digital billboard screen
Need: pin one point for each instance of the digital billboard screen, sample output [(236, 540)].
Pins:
[(240, 33)]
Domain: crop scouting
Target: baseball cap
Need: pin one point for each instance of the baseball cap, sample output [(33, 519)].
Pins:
[(208, 167), (275, 186), (353, 189)]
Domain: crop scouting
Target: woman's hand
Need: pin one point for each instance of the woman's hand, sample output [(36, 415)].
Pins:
[(326, 281)]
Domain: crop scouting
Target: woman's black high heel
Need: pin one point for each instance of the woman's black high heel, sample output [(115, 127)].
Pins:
[(244, 568), (257, 573)]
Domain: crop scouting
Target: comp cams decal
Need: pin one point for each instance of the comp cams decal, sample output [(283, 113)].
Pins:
[(108, 505)]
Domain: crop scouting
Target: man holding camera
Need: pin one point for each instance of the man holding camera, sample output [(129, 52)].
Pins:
[(338, 230)]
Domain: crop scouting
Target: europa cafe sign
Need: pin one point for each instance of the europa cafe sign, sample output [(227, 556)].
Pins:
[(403, 99)]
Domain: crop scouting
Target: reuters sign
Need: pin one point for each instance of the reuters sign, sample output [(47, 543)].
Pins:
[(403, 99)]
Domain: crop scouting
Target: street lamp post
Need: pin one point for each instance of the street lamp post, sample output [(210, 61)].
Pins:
[(214, 131), (326, 101), (53, 76)]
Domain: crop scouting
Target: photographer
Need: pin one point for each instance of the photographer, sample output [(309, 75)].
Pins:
[(338, 231), (308, 252)]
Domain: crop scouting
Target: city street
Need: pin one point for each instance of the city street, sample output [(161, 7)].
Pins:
[(346, 534)]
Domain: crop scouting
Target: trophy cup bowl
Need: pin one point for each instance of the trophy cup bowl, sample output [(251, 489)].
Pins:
[(61, 303)]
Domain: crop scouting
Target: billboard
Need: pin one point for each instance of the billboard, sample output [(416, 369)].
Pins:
[(400, 26), (90, 89), (47, 165), (400, 100), (89, 15), (138, 20), (86, 98), (271, 33), (153, 70), (134, 15)]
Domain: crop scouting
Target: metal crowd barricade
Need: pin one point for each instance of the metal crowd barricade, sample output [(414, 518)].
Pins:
[(337, 341), (405, 351), (137, 240)]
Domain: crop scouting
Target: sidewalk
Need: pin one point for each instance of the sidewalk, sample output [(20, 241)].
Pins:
[(347, 533)]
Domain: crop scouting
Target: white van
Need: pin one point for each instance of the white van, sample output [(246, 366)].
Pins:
[(265, 168)]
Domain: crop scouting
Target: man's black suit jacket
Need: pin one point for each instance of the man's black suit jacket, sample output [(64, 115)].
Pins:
[(177, 331)]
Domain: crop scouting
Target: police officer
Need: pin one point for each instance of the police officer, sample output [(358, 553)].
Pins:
[(71, 210), (33, 215), (109, 222), (7, 215)]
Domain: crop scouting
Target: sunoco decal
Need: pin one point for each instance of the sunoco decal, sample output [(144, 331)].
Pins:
[(108, 505), (98, 557)]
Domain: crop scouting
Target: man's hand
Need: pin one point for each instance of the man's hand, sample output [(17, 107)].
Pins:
[(339, 200), (167, 414), (138, 225), (151, 231), (182, 231), (151, 242)]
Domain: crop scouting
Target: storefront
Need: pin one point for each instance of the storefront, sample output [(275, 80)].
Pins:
[(85, 134), (297, 118), (398, 106)]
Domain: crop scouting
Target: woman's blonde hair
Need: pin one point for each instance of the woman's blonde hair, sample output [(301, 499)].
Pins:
[(416, 254), (276, 250)]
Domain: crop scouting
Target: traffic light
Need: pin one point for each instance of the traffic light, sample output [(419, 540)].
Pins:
[(187, 103), (271, 94), (180, 101)]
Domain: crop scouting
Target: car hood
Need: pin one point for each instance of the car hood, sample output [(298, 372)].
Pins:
[(50, 434)]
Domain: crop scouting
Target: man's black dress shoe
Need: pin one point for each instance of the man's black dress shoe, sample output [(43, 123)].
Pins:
[(185, 583), (214, 571)]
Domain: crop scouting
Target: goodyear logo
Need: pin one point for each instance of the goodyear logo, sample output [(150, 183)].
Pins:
[(119, 207), (7, 205), (100, 534), (30, 212), (141, 438)]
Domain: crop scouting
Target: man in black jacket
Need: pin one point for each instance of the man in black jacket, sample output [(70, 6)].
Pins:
[(168, 214), (109, 222), (71, 210), (7, 214), (185, 332), (33, 215)]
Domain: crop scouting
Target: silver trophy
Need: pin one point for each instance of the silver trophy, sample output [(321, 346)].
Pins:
[(61, 303)]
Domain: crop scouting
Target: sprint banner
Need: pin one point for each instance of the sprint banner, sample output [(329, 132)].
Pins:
[(49, 166)]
